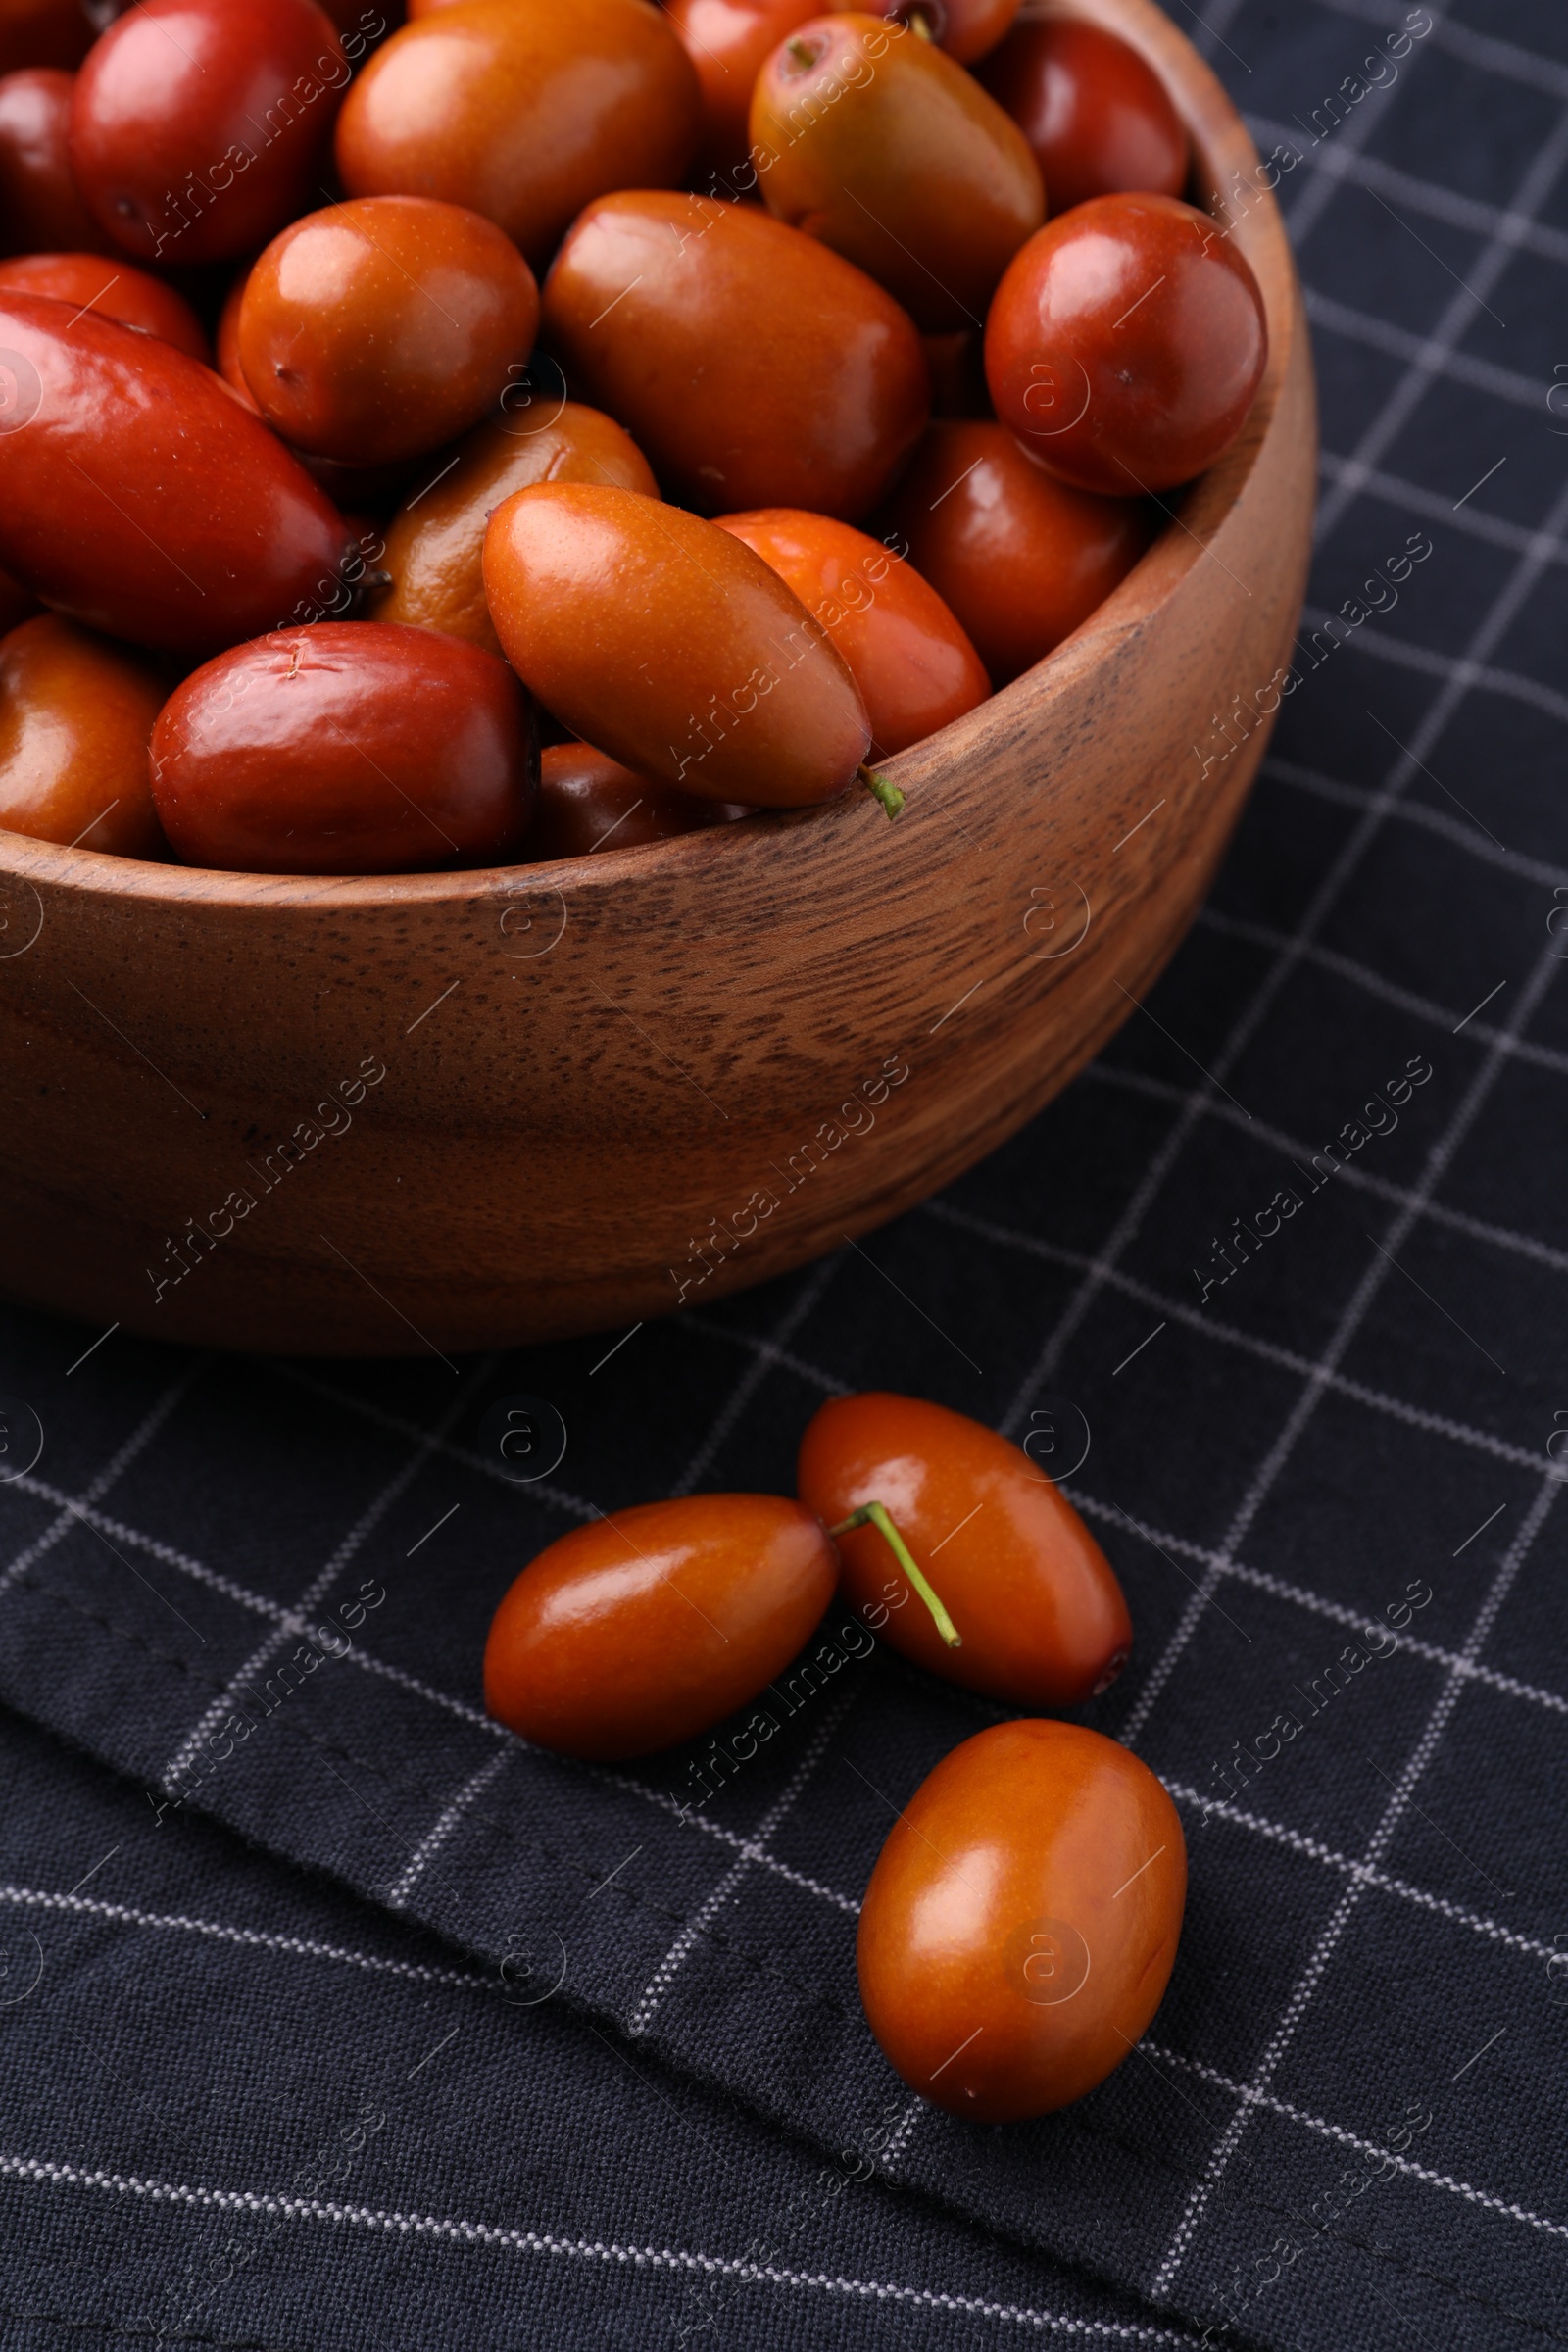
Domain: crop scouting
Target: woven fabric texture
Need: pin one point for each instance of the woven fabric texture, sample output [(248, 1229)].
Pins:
[(1325, 1455)]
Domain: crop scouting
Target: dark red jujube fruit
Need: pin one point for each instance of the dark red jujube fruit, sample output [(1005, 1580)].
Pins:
[(1097, 114), (41, 207), (1125, 344), (198, 127), (138, 495), (351, 748)]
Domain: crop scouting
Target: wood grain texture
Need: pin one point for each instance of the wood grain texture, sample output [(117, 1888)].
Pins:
[(592, 1066)]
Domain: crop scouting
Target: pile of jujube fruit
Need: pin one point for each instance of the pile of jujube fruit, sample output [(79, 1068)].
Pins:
[(725, 396)]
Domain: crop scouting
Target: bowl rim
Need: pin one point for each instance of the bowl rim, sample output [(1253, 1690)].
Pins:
[(1223, 153)]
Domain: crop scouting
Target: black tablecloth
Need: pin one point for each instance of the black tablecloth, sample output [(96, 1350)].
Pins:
[(332, 2016)]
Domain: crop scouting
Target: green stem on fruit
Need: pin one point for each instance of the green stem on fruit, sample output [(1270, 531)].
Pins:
[(889, 795), (801, 52), (875, 1514), (920, 24)]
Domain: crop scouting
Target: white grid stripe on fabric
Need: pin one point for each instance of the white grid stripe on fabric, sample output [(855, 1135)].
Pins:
[(1312, 1977), (1359, 1179), (1313, 1850), (809, 1295), (435, 1838), (701, 1918), (1263, 1580), (1457, 319), (1403, 653), (325, 1577), (742, 1844), (1304, 212), (1396, 342), (1508, 60), (1353, 2140), (1230, 1335), (1473, 521), (1448, 205), (1387, 992), (1415, 813), (441, 2226), (1459, 677), (303, 1947), (119, 1462), (1349, 1324)]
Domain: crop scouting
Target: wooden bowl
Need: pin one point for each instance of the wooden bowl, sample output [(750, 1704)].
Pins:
[(625, 1082)]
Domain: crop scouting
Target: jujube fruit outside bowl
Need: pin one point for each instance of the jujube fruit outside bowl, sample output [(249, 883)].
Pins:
[(632, 1081)]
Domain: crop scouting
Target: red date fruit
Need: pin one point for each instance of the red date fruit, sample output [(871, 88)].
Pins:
[(435, 544), (76, 714), (1019, 557), (41, 207), (728, 42), (351, 748), (1126, 343), (1022, 1920), (964, 28), (198, 127), (910, 170), (1040, 1618), (754, 366), (647, 1628), (914, 666), (112, 289), (523, 110), (589, 802), (1097, 114), (138, 495), (672, 645), (382, 326)]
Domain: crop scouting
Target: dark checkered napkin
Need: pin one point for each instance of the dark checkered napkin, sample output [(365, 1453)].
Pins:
[(1293, 1257)]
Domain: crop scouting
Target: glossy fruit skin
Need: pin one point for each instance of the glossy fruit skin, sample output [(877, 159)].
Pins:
[(434, 548), (382, 326), (1019, 557), (41, 207), (964, 28), (351, 748), (1027, 1904), (172, 99), (114, 290), (648, 1627), (523, 110), (1043, 1619), (1097, 114), (42, 32), (138, 496), (1126, 343), (751, 365), (76, 714), (671, 646), (904, 166), (728, 42), (914, 666), (589, 802)]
